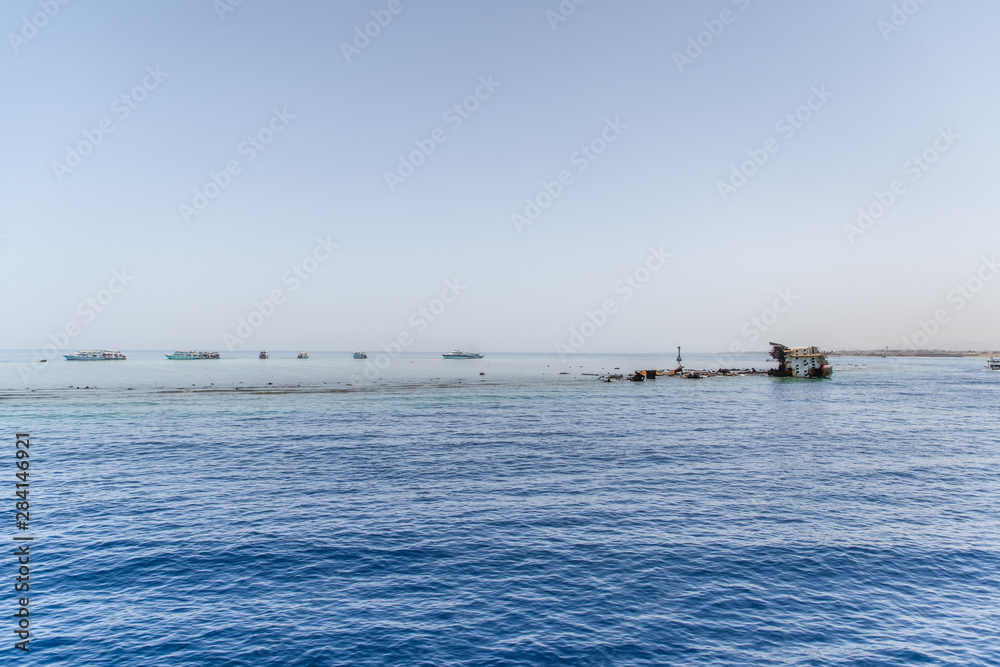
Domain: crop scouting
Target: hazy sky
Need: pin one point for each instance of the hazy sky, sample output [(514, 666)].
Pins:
[(180, 163)]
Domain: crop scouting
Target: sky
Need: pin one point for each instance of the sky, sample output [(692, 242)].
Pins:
[(516, 176)]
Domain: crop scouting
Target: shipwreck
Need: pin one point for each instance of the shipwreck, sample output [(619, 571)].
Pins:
[(793, 362), (799, 362)]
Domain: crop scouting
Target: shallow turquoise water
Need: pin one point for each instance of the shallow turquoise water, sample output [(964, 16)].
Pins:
[(436, 516)]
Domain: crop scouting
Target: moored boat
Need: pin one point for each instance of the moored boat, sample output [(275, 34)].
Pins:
[(190, 354), (458, 354), (95, 355)]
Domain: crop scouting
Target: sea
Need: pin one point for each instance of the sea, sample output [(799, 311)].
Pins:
[(512, 510)]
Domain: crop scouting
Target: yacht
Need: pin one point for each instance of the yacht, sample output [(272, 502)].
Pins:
[(263, 354), (458, 354), (993, 364), (95, 355), (182, 354)]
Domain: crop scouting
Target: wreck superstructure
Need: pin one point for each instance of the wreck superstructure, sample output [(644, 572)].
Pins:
[(799, 362)]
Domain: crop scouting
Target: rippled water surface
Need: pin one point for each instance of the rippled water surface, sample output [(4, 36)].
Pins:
[(430, 515)]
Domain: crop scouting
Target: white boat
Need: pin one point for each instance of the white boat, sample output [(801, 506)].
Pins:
[(303, 355), (188, 354), (360, 355), (458, 354), (993, 364), (264, 354), (95, 355)]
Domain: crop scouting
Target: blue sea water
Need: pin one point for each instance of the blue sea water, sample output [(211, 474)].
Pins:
[(264, 513)]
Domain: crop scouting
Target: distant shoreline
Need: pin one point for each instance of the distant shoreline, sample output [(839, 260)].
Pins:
[(971, 354)]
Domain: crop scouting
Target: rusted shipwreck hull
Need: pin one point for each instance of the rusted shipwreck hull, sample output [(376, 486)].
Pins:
[(799, 362)]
